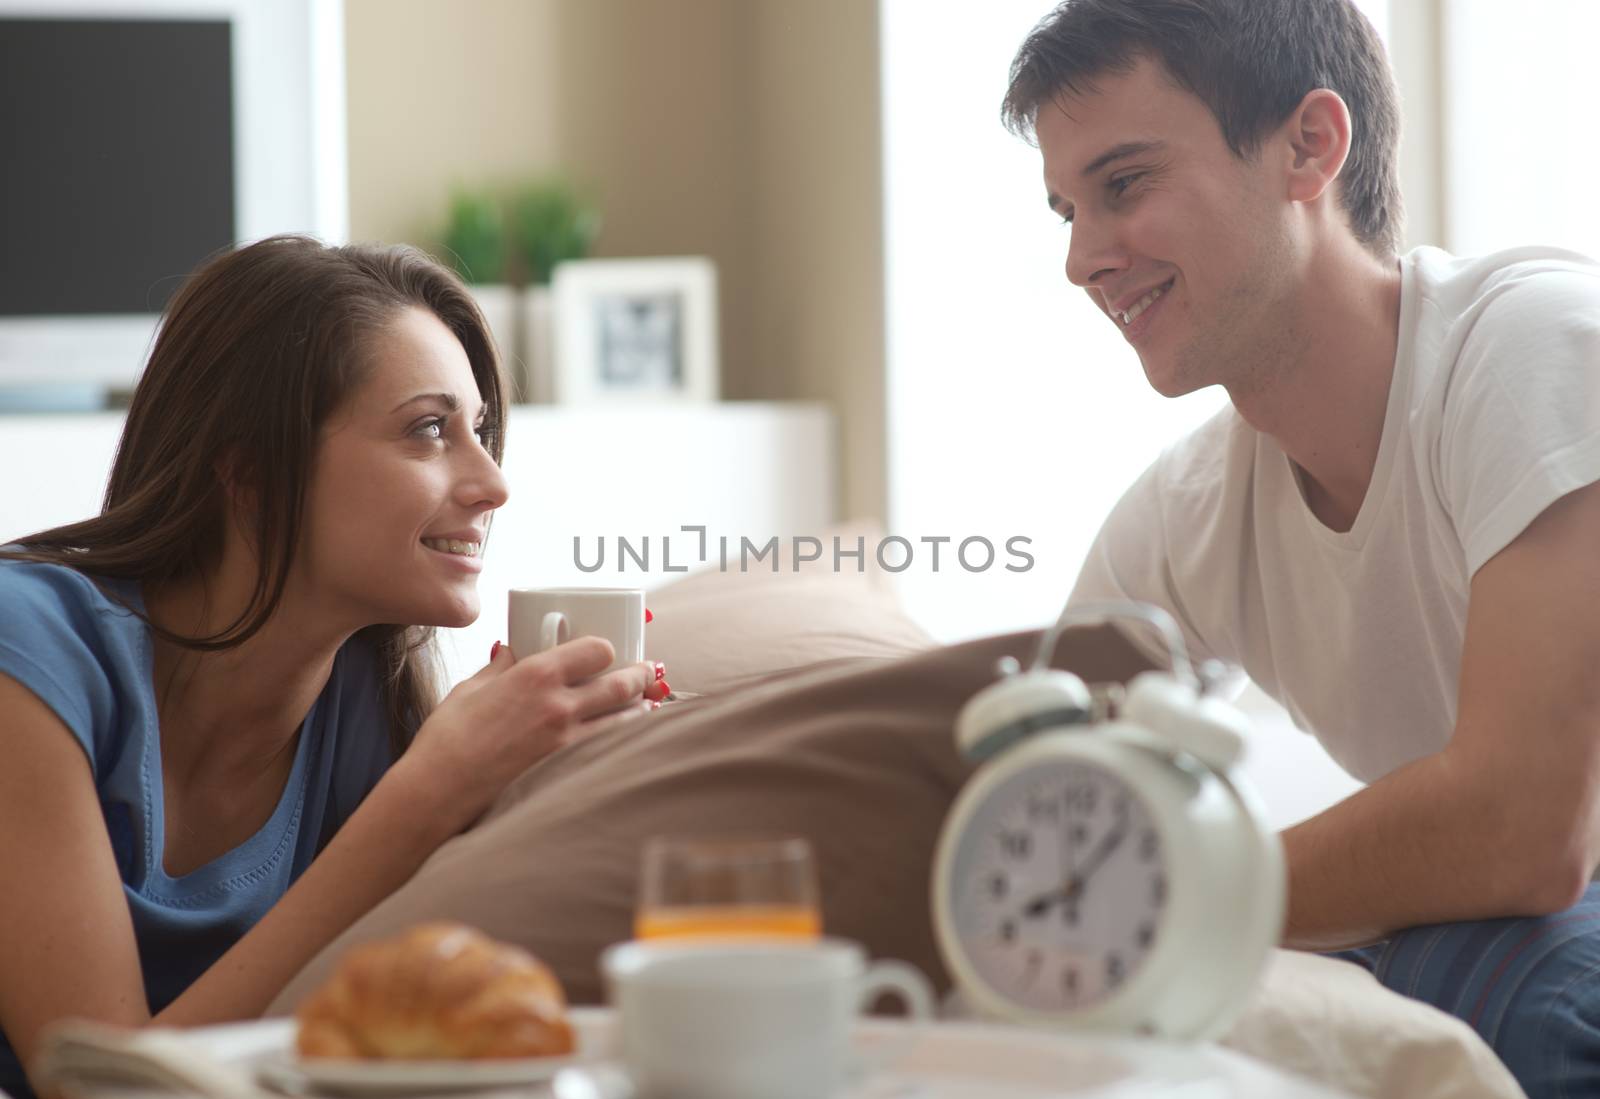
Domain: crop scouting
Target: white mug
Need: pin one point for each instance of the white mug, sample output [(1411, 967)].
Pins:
[(767, 1020), (542, 618)]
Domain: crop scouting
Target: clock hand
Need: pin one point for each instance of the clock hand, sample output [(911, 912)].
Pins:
[(1108, 843), (1041, 904)]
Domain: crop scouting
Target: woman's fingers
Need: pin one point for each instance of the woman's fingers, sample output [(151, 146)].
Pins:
[(614, 690), (568, 663)]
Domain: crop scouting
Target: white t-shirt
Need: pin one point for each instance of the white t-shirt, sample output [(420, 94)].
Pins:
[(1493, 414)]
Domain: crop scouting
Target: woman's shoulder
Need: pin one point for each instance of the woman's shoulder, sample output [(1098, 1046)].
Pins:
[(40, 587), (77, 644)]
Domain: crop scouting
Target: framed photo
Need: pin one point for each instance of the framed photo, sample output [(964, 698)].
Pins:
[(634, 330)]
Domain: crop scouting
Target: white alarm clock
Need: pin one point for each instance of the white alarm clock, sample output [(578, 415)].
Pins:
[(1107, 867)]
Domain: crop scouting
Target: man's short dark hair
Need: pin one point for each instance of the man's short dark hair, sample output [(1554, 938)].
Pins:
[(1251, 62)]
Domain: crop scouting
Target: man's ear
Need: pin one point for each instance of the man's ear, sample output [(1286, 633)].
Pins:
[(1317, 140)]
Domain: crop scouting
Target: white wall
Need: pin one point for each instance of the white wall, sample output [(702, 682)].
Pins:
[(1015, 408)]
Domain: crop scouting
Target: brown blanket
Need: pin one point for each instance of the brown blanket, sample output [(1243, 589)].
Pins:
[(856, 755)]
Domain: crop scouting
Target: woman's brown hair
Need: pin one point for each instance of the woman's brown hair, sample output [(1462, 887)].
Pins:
[(254, 353)]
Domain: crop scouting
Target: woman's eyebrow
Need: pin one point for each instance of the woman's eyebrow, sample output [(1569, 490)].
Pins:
[(450, 401)]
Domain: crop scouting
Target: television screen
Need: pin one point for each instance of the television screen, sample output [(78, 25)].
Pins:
[(116, 161)]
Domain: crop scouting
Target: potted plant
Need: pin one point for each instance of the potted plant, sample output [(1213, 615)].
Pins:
[(550, 223), (475, 245)]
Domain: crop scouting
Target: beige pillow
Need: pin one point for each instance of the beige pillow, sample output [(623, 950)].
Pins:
[(717, 630)]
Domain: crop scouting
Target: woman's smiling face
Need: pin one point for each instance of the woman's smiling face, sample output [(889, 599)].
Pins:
[(398, 505)]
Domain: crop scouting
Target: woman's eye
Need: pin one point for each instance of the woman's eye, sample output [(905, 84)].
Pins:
[(430, 429)]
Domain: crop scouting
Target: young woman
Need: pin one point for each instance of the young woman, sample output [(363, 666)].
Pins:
[(220, 737)]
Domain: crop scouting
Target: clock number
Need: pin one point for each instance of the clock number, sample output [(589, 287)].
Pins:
[(1158, 890), (1069, 981), (1149, 845), (1017, 845), (1081, 797), (998, 885), (1147, 935), (1035, 964), (1044, 809), (1008, 931), (1115, 970)]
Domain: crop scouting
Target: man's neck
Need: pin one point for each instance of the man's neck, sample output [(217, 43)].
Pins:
[(1325, 408)]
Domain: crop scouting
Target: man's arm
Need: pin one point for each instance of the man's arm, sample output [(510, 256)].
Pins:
[(1506, 820)]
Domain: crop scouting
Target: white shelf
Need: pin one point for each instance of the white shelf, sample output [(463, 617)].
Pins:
[(753, 470)]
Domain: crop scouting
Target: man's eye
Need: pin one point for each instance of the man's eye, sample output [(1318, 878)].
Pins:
[(1122, 183)]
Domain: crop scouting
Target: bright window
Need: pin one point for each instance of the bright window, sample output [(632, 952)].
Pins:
[(1521, 162)]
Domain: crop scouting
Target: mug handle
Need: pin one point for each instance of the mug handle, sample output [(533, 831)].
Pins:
[(911, 988), (902, 979), (554, 630)]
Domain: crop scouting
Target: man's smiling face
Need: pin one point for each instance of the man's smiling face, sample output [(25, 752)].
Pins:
[(1179, 242)]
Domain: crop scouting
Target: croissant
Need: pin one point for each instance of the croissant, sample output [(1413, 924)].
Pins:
[(440, 991)]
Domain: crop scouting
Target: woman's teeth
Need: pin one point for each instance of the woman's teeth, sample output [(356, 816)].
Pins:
[(1143, 303), (452, 545)]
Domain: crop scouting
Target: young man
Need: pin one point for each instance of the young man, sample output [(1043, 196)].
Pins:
[(1395, 527)]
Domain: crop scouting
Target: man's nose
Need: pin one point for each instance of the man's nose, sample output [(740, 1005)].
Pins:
[(1093, 252)]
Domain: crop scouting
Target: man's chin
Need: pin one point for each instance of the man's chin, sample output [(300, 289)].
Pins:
[(1169, 379)]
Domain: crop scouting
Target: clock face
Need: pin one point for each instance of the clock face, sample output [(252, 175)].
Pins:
[(1058, 886)]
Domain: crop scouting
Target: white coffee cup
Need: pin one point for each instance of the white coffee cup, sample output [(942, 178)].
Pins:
[(542, 618), (764, 1020)]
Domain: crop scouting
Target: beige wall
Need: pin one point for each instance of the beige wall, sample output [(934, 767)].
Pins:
[(746, 130)]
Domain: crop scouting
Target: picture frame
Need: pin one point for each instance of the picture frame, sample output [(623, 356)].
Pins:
[(635, 330)]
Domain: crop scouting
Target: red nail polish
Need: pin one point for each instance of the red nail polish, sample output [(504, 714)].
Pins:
[(666, 689), (648, 617), (494, 652), (661, 671)]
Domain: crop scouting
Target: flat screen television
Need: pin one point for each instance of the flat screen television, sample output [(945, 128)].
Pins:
[(137, 138)]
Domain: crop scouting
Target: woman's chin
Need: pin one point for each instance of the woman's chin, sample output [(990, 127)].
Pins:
[(453, 614)]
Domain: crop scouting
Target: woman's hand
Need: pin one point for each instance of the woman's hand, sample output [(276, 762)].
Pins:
[(492, 727)]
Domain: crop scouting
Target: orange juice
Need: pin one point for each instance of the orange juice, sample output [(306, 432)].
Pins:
[(730, 921)]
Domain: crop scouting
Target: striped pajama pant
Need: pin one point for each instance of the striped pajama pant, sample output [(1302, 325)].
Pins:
[(1529, 986)]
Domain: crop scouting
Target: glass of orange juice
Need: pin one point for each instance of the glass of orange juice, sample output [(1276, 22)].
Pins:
[(711, 888)]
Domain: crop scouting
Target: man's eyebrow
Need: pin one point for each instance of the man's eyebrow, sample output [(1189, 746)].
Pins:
[(1115, 153)]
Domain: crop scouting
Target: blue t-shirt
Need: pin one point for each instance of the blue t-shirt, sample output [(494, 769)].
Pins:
[(81, 651)]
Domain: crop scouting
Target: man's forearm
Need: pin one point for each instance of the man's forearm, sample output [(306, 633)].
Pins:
[(1430, 843)]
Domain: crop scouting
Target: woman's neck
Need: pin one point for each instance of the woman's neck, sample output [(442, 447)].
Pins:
[(236, 710)]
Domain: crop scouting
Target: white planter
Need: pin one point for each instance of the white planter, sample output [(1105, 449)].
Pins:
[(538, 345), (500, 308)]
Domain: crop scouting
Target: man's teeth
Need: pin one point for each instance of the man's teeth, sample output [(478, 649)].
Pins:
[(1132, 314), (452, 545)]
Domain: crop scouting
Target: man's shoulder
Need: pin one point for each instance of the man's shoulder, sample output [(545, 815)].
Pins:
[(1528, 286)]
